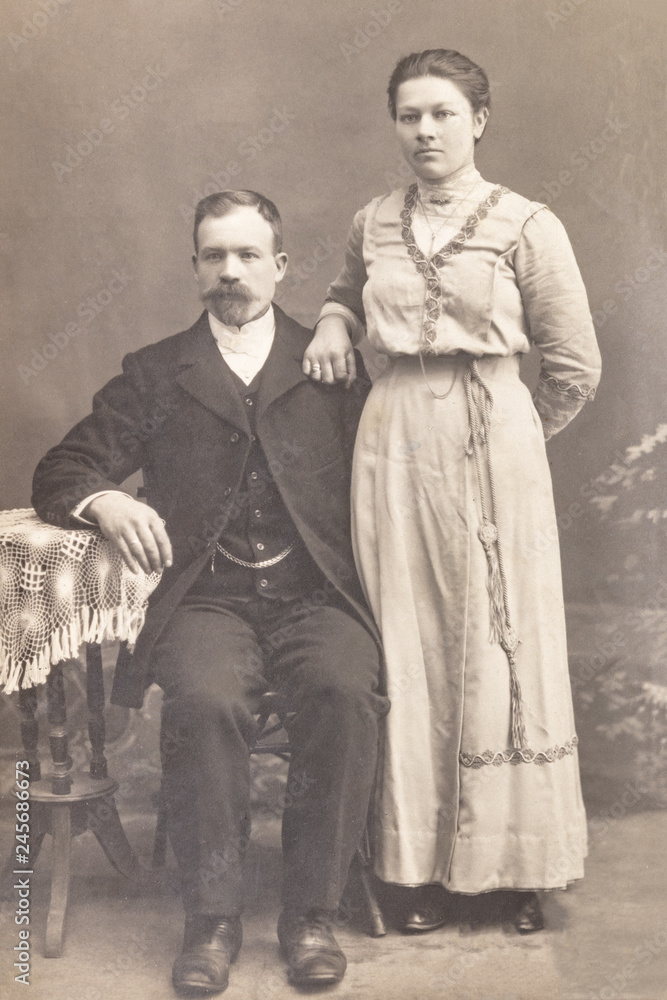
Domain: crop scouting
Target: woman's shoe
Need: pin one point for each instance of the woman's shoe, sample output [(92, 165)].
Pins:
[(428, 911), (529, 917), (426, 918)]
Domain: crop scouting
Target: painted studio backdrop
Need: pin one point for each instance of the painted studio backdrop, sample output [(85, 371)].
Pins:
[(117, 118)]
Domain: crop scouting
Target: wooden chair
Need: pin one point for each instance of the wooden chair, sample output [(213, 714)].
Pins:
[(271, 717)]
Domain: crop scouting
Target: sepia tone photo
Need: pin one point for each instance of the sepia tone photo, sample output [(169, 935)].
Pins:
[(333, 610)]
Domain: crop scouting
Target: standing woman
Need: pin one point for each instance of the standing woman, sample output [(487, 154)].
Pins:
[(454, 526)]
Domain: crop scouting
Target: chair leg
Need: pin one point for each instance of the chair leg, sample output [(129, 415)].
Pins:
[(105, 823), (160, 841), (30, 731), (375, 918), (55, 922)]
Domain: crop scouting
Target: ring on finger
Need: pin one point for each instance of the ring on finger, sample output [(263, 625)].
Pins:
[(316, 368)]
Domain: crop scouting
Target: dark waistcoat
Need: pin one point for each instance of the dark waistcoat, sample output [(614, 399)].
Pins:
[(259, 529)]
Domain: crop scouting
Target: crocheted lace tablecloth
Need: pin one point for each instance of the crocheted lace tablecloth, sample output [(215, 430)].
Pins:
[(59, 589)]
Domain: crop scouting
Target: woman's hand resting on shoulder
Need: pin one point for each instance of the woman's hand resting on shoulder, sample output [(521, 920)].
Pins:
[(329, 357)]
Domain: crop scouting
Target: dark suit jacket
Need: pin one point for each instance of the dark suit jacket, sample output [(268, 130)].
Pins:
[(176, 413)]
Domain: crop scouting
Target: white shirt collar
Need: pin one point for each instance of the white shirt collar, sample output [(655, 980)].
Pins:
[(253, 339), (245, 348)]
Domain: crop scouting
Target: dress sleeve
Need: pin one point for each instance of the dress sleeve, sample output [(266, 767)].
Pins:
[(559, 318), (346, 290)]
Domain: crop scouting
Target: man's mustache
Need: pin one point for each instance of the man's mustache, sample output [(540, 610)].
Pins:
[(228, 292)]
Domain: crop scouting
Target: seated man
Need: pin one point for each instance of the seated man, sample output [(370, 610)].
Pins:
[(246, 466)]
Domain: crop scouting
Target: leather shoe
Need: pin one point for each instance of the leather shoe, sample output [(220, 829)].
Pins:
[(427, 917), (428, 909), (313, 955), (529, 917), (210, 945)]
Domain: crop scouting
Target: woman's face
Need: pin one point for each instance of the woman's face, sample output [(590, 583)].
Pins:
[(436, 127)]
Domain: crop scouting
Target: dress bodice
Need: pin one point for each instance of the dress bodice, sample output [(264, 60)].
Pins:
[(507, 278)]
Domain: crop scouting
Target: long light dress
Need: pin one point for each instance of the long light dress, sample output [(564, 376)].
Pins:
[(455, 532)]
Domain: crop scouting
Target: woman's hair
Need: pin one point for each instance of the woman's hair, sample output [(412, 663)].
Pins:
[(470, 78)]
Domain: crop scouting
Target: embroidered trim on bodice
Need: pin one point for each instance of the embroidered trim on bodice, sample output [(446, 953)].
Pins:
[(524, 756), (429, 267), (558, 387)]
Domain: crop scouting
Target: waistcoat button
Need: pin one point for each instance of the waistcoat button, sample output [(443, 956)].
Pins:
[(234, 438)]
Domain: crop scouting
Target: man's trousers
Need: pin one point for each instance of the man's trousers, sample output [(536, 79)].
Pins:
[(214, 660)]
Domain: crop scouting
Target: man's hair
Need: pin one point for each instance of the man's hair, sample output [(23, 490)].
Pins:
[(224, 202)]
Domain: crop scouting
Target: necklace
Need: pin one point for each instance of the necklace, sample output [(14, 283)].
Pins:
[(447, 218)]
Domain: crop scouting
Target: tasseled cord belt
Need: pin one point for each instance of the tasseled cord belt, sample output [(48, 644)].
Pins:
[(480, 404)]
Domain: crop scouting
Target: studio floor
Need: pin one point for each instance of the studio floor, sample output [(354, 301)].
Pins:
[(605, 937)]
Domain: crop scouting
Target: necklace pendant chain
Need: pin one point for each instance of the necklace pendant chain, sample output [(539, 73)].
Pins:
[(447, 219)]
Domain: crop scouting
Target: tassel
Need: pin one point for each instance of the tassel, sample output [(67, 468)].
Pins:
[(76, 631), (56, 647), (510, 644), (518, 729), (65, 642), (43, 665), (94, 630), (120, 619), (10, 678), (479, 410), (488, 536), (135, 626), (105, 624)]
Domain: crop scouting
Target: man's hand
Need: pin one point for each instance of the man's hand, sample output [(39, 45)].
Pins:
[(135, 529), (330, 355)]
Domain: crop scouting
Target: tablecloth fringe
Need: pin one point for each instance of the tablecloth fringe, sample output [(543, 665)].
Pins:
[(89, 625)]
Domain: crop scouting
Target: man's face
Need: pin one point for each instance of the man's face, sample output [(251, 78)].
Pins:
[(236, 267)]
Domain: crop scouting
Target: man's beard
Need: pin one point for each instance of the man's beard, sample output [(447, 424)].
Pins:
[(232, 306)]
